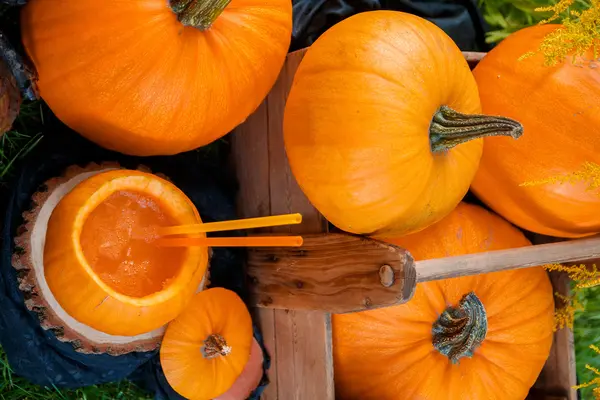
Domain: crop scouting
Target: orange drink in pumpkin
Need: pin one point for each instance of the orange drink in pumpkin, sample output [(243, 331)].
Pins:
[(117, 244), (99, 259)]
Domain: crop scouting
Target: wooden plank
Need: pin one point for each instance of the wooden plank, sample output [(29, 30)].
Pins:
[(249, 158), (305, 361), (299, 342), (559, 374), (250, 149), (500, 260), (336, 273), (561, 371), (473, 57), (304, 354)]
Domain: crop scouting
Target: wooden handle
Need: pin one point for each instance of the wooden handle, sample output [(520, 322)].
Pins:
[(501, 260), (336, 273)]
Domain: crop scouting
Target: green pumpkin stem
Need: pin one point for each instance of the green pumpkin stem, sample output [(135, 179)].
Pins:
[(215, 346), (200, 14), (461, 329), (450, 128)]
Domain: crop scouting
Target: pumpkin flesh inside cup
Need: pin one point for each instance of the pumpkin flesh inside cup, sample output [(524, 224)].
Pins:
[(100, 264)]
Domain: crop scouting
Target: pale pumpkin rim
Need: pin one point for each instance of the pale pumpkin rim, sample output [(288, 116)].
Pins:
[(134, 181)]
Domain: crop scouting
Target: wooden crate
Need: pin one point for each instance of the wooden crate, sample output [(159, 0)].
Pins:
[(299, 342)]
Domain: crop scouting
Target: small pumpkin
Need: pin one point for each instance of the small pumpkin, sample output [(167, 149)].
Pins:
[(478, 337), (148, 77), (558, 107), (380, 126), (99, 263), (206, 348)]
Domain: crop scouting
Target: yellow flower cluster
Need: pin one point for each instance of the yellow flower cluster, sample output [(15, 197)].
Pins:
[(596, 380), (589, 172), (580, 33), (582, 275), (564, 316)]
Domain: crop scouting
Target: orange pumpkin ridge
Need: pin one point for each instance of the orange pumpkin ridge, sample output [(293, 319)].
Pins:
[(382, 126), (132, 77), (559, 108), (476, 337)]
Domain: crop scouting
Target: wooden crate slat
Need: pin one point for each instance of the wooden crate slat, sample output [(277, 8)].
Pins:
[(250, 149), (303, 338), (299, 342), (559, 374)]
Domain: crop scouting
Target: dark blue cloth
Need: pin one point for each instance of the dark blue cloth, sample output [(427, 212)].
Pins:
[(460, 19)]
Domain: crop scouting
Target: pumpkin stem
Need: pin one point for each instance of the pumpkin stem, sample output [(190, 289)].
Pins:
[(461, 329), (200, 14), (450, 128), (214, 346)]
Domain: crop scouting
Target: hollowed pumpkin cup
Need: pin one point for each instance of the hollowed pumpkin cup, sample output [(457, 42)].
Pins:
[(99, 259)]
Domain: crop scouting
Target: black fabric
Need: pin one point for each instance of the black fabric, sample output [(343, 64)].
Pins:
[(36, 354), (460, 19)]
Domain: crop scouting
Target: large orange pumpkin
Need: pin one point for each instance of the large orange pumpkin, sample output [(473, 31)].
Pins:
[(479, 337), (378, 126), (146, 77), (98, 261), (559, 108), (206, 348)]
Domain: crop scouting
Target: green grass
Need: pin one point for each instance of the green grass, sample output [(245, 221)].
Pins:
[(25, 134), (507, 16), (13, 387), (587, 331)]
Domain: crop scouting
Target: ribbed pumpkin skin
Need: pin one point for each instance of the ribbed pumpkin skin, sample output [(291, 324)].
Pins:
[(213, 311), (387, 354), (130, 77), (558, 107), (357, 121), (82, 294)]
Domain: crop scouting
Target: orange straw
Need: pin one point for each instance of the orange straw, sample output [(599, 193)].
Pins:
[(255, 241), (262, 222)]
